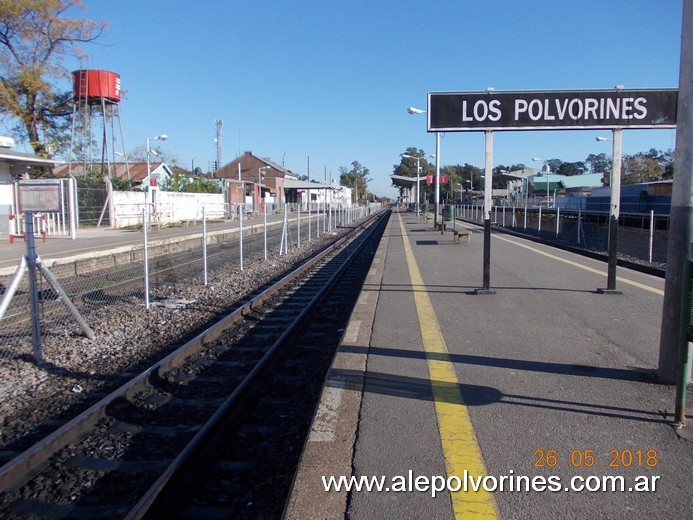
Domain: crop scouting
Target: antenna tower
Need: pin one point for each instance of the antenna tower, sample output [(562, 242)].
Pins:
[(219, 124)]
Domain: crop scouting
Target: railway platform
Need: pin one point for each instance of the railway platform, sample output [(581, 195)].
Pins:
[(90, 241), (538, 401)]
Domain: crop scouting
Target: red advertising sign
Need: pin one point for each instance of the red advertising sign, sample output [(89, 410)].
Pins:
[(430, 179)]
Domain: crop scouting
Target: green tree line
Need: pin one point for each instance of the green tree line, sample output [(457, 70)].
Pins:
[(653, 165)]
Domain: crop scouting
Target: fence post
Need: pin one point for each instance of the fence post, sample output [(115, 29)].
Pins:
[(33, 288), (204, 243), (145, 251), (651, 234), (241, 210), (525, 214)]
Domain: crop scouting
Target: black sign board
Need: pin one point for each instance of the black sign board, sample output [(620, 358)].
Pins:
[(551, 110)]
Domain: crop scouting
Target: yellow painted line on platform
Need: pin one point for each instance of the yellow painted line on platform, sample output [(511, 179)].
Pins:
[(582, 266), (460, 446)]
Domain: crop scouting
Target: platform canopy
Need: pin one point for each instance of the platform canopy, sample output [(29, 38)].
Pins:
[(292, 184), (401, 181)]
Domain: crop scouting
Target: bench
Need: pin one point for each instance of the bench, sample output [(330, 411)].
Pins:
[(457, 233), (439, 225)]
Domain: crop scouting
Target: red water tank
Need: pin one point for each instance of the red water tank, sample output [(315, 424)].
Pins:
[(93, 85)]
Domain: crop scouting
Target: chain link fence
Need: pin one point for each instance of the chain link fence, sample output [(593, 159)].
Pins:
[(642, 237), (159, 271)]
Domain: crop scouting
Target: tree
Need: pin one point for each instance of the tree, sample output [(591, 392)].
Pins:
[(180, 182), (571, 168), (34, 38), (407, 165), (600, 164), (356, 179), (407, 168), (156, 154), (643, 167)]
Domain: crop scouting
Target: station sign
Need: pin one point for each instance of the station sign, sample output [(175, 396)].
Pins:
[(39, 195), (552, 110)]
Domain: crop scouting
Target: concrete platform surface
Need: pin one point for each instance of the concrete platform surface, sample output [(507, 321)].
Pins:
[(541, 399)]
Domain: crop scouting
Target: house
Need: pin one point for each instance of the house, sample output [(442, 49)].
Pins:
[(13, 167), (137, 172), (254, 179)]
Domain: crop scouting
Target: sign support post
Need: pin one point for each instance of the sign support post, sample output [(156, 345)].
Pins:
[(614, 109), (488, 181)]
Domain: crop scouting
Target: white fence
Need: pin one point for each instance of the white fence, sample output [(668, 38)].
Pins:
[(169, 207)]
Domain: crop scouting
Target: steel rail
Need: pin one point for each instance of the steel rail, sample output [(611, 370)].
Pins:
[(31, 462), (235, 398)]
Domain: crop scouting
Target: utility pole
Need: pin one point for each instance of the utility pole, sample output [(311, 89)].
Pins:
[(672, 359)]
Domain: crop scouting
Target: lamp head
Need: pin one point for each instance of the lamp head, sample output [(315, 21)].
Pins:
[(414, 110)]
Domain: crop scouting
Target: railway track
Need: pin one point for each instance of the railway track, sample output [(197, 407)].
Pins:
[(215, 428)]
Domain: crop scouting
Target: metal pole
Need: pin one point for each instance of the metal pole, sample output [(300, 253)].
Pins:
[(418, 193), (437, 201), (264, 225), (309, 217), (614, 214), (684, 348), (12, 288), (651, 235), (72, 197), (66, 301), (486, 288), (145, 252), (681, 223), (204, 244), (240, 232), (33, 288)]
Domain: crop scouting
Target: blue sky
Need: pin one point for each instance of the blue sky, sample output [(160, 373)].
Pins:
[(331, 80)]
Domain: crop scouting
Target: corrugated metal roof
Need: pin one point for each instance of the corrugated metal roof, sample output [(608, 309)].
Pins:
[(305, 185), (7, 155)]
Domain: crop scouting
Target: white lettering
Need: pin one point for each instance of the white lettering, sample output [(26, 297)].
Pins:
[(547, 108), (480, 115), (575, 103), (535, 110), (465, 117), (520, 107), (591, 106), (612, 109), (627, 107), (495, 110), (561, 107), (641, 108)]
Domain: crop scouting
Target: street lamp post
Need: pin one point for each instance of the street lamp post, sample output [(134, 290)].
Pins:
[(259, 188), (161, 137), (548, 178), (614, 210)]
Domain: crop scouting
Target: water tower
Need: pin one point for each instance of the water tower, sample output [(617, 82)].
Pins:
[(96, 106)]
